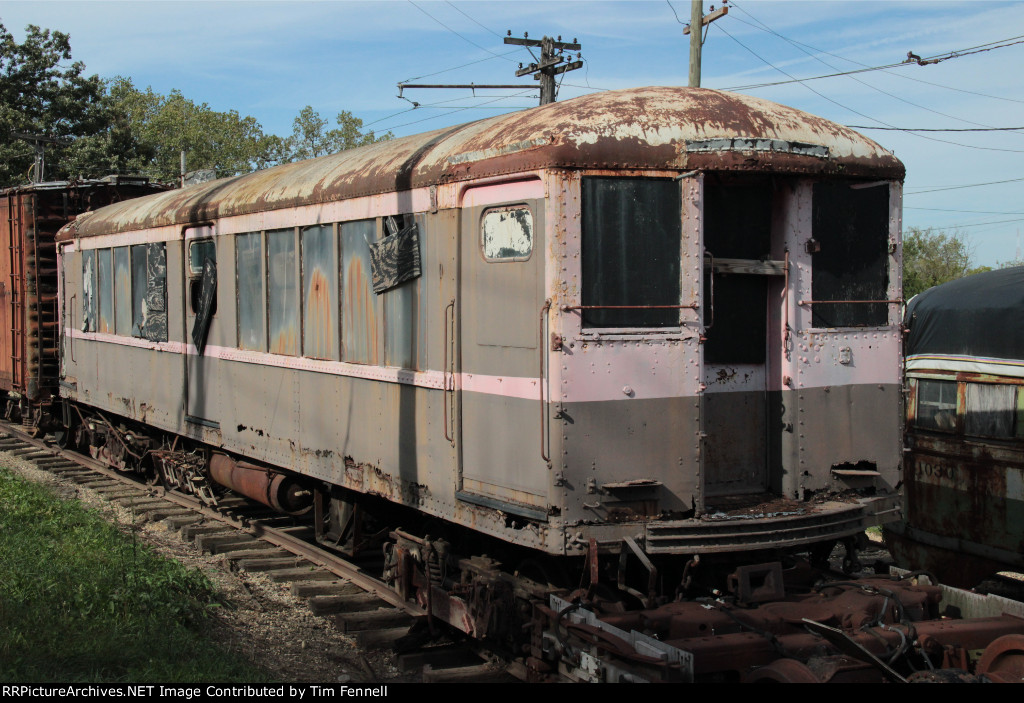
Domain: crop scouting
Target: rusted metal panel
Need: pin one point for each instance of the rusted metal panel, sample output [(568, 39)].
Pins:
[(319, 293), (642, 128), (361, 331)]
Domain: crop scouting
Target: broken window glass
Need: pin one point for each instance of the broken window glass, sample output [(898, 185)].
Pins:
[(507, 233), (282, 292), (319, 293), (105, 279), (138, 255), (155, 328), (198, 252), (249, 277), (89, 302), (205, 307), (395, 259), (632, 236), (122, 291), (990, 410), (850, 259), (936, 405)]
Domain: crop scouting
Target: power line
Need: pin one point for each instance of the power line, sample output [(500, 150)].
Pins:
[(453, 68), (927, 129), (888, 73), (846, 107), (968, 185), (451, 5), (457, 34), (799, 46), (950, 55), (458, 109), (975, 212)]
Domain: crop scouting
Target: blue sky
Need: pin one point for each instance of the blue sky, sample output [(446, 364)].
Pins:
[(269, 59)]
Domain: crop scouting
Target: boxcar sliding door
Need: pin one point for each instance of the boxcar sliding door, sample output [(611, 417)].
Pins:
[(501, 297)]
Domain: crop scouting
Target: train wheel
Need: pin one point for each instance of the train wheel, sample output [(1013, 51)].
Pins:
[(783, 671), (1003, 660)]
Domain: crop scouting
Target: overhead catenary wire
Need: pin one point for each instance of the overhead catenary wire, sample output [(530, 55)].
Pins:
[(887, 72), (764, 27), (460, 36), (931, 189), (858, 112)]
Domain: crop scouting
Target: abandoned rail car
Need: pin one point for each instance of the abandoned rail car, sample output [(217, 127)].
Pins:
[(640, 325), (964, 479), (30, 340)]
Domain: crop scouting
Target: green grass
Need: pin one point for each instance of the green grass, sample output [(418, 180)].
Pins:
[(81, 601)]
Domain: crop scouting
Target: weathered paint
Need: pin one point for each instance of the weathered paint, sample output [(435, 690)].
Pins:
[(642, 128), (541, 409)]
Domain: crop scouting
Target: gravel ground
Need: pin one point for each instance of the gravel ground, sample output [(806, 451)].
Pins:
[(259, 618)]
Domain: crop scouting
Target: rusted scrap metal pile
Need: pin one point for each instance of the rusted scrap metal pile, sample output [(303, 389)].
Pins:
[(790, 627)]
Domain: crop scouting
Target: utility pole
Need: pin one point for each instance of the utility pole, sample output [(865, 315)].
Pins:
[(698, 20), (550, 64), (38, 142)]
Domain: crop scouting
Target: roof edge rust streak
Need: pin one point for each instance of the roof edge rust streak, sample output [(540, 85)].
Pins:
[(642, 128)]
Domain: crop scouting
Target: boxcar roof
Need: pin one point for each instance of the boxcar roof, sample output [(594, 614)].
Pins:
[(648, 128), (980, 315)]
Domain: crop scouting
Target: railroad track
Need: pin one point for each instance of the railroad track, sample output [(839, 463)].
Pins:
[(249, 537)]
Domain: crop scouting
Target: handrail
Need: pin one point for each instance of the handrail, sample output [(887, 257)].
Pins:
[(449, 385), (542, 346), (71, 337), (865, 302)]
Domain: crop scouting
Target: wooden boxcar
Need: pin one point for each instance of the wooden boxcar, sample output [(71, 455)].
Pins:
[(29, 334), (660, 320)]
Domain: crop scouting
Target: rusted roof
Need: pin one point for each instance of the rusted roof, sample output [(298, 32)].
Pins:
[(659, 128)]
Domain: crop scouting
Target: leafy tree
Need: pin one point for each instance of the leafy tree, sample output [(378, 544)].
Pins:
[(93, 127), (311, 138), (932, 257), (166, 125), (41, 94)]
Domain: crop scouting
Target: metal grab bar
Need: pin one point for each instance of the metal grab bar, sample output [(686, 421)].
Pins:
[(449, 381), (569, 308), (542, 346), (864, 302), (71, 337)]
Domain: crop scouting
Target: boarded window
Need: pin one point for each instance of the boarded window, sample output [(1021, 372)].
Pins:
[(990, 410), (122, 291), (632, 236), (138, 253), (105, 280), (283, 292), (89, 302), (851, 234), (936, 405), (249, 277), (359, 313), (507, 233), (319, 293)]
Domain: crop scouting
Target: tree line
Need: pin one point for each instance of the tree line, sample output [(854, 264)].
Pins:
[(99, 127), (93, 127)]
